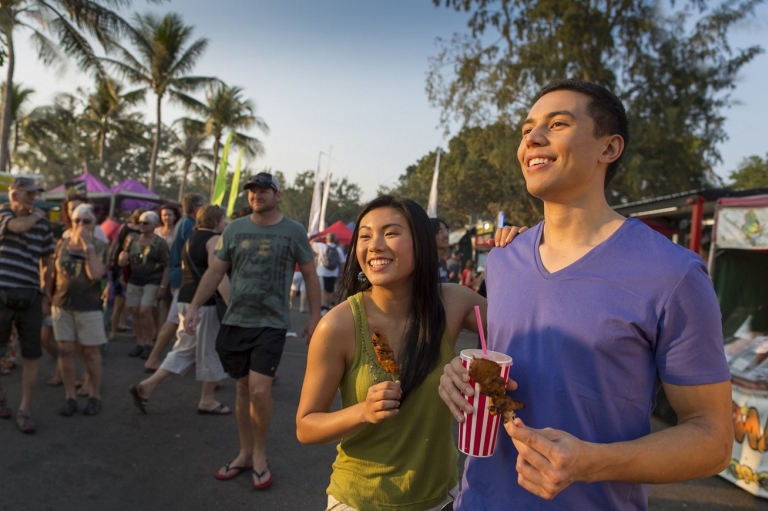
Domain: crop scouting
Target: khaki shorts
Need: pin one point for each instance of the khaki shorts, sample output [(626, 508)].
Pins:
[(85, 327), (141, 295)]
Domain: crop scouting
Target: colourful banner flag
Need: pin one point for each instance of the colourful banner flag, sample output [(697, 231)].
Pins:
[(220, 187), (234, 189)]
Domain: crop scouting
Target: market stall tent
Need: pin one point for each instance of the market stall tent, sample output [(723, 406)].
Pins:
[(342, 232), (85, 182)]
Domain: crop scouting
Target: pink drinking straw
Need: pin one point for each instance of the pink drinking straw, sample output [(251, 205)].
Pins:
[(480, 330)]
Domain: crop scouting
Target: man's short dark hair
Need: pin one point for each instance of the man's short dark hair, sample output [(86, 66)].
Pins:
[(191, 201), (605, 109)]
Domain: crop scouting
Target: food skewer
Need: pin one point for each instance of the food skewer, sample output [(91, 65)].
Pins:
[(384, 354), (487, 374)]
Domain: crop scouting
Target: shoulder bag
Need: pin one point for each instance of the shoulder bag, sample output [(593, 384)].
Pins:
[(221, 305)]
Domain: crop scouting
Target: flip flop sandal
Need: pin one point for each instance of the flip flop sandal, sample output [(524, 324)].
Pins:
[(266, 484), (222, 409), (227, 468), (138, 401)]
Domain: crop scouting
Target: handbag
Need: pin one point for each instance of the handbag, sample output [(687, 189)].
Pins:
[(19, 298), (221, 305)]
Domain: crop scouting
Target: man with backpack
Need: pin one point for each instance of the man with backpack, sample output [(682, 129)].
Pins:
[(330, 259)]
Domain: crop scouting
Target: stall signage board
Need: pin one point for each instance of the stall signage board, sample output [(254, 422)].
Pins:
[(743, 228), (749, 463)]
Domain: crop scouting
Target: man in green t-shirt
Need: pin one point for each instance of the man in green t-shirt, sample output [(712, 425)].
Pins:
[(261, 250)]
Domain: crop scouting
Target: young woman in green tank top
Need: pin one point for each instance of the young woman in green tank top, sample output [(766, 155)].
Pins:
[(396, 449)]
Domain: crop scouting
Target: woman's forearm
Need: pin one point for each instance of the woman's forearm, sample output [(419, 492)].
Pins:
[(328, 427)]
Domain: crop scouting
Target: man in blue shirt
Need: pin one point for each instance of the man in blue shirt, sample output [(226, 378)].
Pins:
[(597, 312)]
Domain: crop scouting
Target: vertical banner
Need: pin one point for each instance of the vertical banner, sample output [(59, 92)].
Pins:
[(432, 204), (220, 187), (314, 212), (234, 189), (326, 192)]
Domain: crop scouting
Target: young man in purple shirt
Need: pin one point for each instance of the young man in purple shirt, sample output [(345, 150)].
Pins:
[(597, 311)]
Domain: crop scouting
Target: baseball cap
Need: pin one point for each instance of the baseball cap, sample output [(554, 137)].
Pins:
[(263, 180), (25, 183)]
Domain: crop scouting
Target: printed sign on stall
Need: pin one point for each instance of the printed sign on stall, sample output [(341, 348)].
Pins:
[(749, 463), (745, 228)]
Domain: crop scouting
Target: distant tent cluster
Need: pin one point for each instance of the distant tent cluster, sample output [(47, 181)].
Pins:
[(127, 196)]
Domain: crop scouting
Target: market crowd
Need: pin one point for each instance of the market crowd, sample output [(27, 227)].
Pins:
[(597, 311)]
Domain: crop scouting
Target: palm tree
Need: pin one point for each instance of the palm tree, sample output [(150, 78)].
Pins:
[(55, 134), (19, 95), (225, 109), (189, 148), (162, 62), (65, 20), (107, 110)]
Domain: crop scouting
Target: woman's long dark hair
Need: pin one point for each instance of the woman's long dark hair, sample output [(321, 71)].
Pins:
[(421, 353)]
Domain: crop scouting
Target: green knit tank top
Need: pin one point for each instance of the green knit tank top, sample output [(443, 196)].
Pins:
[(407, 462)]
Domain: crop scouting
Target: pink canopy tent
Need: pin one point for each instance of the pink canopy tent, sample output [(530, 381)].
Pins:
[(85, 182), (342, 232)]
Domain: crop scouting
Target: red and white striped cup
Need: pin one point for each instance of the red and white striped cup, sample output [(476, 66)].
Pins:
[(478, 432)]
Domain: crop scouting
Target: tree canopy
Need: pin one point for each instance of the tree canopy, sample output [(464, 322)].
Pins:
[(751, 173), (674, 71)]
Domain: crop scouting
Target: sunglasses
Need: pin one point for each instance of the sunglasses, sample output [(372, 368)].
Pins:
[(84, 221), (143, 222), (263, 179)]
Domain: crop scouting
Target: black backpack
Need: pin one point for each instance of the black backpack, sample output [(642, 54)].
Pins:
[(329, 258)]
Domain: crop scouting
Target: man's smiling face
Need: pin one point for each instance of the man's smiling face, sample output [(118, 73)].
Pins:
[(558, 152)]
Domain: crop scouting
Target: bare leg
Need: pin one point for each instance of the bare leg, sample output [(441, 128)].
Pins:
[(67, 367), (138, 326), (85, 388), (148, 324), (164, 337), (28, 380), (207, 399), (148, 386), (244, 428), (92, 362), (123, 323), (118, 316), (303, 302), (46, 338), (260, 388)]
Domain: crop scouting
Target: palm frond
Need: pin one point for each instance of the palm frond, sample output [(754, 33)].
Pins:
[(47, 50), (189, 102), (192, 83), (133, 75), (251, 146), (74, 44), (188, 60)]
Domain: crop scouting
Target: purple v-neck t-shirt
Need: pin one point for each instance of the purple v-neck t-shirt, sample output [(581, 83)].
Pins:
[(590, 345)]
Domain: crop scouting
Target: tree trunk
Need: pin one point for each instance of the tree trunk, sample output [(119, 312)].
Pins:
[(155, 146), (5, 128), (187, 164), (216, 147), (102, 146)]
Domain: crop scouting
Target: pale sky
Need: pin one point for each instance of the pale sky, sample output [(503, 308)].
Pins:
[(348, 77)]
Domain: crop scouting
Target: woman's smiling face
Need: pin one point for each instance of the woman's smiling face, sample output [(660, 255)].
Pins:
[(385, 246)]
